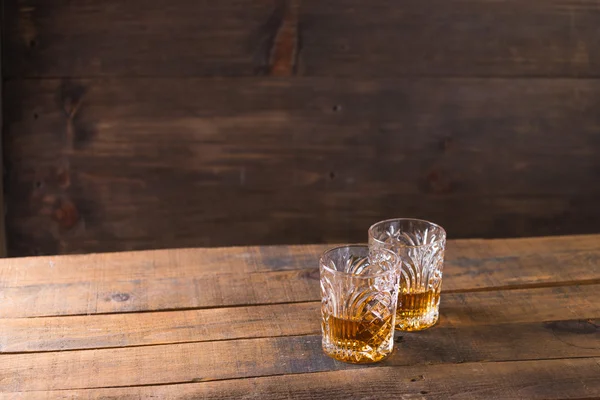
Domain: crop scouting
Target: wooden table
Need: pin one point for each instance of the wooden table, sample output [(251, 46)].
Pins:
[(519, 319)]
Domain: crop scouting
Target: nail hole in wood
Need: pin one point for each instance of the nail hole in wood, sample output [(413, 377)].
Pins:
[(332, 175), (32, 43), (337, 108), (120, 297)]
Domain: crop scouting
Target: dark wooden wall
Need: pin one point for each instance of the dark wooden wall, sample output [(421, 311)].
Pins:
[(161, 123), (3, 252)]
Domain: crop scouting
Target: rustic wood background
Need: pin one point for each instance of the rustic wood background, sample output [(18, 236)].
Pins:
[(3, 252), (159, 123)]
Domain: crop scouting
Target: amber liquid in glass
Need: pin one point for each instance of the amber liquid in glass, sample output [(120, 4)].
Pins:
[(417, 310), (365, 336)]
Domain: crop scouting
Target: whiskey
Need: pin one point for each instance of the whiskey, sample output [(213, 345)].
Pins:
[(417, 310), (367, 339)]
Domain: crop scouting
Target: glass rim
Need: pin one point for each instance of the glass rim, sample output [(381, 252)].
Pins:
[(363, 276), (441, 239)]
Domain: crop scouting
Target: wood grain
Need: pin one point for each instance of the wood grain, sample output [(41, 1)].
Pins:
[(231, 37), (545, 379), (458, 38), (201, 291), (51, 287), (137, 329), (171, 263), (133, 164), (521, 247), (131, 126), (2, 208), (339, 37), (487, 339), (482, 261), (245, 358)]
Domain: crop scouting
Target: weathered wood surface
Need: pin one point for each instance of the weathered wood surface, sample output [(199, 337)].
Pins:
[(20, 335), (545, 379), (243, 358), (499, 335), (202, 278), (451, 38), (310, 37), (101, 165), (3, 251), (156, 124)]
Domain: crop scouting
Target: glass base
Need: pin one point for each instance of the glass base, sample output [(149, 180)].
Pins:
[(366, 355), (419, 323)]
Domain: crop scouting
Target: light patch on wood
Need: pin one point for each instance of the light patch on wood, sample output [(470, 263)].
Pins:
[(582, 55), (284, 53), (27, 29)]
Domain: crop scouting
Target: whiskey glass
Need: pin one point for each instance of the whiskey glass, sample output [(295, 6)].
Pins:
[(359, 295), (420, 245)]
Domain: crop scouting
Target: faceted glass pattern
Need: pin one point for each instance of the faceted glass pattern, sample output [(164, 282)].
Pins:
[(359, 295), (420, 246)]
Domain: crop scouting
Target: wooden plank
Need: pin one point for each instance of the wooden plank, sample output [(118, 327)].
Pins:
[(545, 379), (169, 263), (340, 37), (2, 208), (517, 247), (230, 359), (458, 38), (38, 295), (117, 38), (136, 329), (495, 261), (202, 291), (133, 164), (528, 271)]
